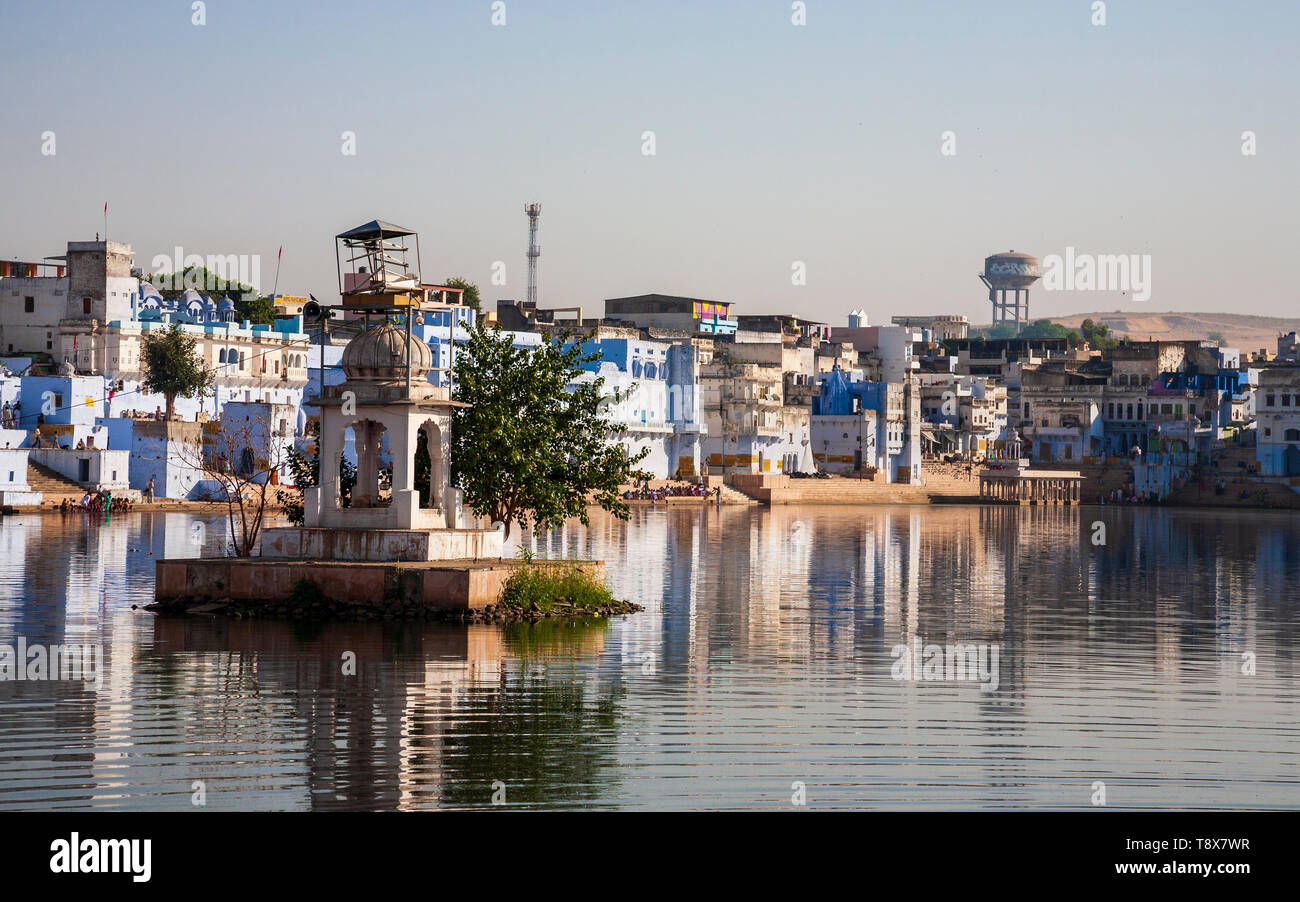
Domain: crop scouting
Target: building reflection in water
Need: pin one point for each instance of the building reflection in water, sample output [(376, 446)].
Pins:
[(764, 650), (432, 715)]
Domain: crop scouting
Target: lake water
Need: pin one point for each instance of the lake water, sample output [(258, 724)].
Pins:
[(1162, 664)]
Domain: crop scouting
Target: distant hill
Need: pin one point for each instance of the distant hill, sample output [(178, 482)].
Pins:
[(1246, 333)]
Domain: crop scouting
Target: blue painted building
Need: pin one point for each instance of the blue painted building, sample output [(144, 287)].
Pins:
[(858, 426)]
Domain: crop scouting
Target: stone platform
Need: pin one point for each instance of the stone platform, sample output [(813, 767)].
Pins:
[(381, 545), (446, 585)]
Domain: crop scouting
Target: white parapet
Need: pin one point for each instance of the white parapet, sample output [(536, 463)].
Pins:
[(324, 544)]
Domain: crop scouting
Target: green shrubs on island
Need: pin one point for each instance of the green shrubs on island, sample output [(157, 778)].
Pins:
[(559, 588), (532, 593)]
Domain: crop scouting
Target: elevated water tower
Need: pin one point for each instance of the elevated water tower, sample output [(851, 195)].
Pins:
[(1008, 278)]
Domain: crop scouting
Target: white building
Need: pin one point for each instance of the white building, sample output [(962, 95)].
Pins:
[(1277, 421), (14, 489), (660, 410)]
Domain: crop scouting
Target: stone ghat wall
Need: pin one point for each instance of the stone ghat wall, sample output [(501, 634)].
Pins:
[(1099, 479), (848, 490), (447, 586)]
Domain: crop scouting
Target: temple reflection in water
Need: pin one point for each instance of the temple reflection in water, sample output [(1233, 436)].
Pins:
[(764, 650)]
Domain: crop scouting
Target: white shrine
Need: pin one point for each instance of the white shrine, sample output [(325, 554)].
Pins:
[(388, 403)]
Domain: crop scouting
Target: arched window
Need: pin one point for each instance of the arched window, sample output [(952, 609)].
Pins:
[(221, 358), (650, 371), (1293, 435)]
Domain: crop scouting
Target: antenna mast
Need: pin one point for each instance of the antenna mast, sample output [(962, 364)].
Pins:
[(534, 212)]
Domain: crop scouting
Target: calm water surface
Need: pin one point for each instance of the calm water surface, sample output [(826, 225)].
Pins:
[(763, 660)]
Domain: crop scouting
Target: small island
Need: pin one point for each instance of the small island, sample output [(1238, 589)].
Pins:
[(432, 546)]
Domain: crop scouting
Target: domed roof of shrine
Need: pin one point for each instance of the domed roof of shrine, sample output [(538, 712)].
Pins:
[(379, 355)]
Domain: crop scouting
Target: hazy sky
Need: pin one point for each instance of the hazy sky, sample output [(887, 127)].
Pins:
[(774, 143)]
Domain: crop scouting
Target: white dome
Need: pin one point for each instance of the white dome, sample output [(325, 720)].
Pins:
[(379, 355)]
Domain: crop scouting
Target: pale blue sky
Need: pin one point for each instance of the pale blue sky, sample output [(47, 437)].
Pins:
[(775, 143)]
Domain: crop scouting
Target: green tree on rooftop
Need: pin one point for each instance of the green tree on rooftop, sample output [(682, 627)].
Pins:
[(471, 297), (249, 305), (172, 366)]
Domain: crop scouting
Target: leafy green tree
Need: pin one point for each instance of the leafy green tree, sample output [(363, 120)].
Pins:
[(471, 296), (173, 368), (249, 305), (1045, 328), (527, 450), (1002, 330), (255, 309), (1098, 336), (1218, 338)]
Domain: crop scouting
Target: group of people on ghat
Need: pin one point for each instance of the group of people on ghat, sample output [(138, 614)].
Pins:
[(685, 490), (97, 503), (1127, 496)]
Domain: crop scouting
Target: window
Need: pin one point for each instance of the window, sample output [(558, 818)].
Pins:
[(1292, 435), (85, 306), (1268, 400), (29, 305), (1286, 400)]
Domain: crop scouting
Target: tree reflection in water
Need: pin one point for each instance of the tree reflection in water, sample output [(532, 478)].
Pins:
[(547, 731)]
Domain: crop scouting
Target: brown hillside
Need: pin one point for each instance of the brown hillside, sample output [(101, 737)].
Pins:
[(1246, 333)]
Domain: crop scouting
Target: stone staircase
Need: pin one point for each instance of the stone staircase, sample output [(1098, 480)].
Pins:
[(1261, 491), (52, 484), (1099, 480), (733, 496)]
